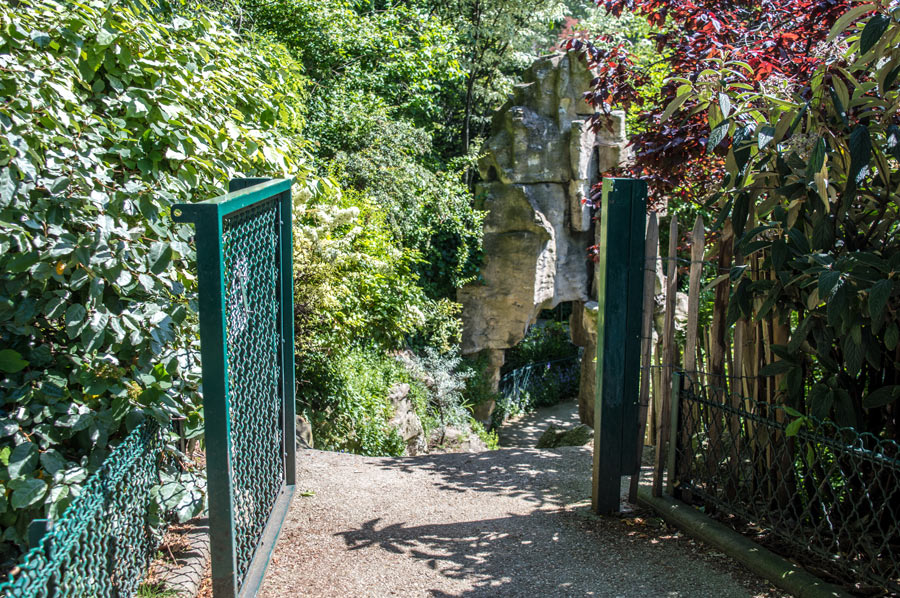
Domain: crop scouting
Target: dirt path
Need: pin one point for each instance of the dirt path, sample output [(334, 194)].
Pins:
[(512, 522), (524, 431)]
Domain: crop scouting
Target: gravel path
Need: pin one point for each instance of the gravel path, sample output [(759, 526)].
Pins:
[(525, 430), (512, 522)]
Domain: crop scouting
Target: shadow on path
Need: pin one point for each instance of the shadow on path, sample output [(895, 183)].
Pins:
[(540, 477), (545, 553)]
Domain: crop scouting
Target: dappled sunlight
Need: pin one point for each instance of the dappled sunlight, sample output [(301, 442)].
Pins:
[(496, 556), (541, 477)]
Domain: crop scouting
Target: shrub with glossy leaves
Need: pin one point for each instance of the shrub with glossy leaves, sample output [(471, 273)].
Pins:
[(110, 113)]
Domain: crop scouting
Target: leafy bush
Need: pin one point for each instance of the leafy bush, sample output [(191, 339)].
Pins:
[(490, 438), (111, 113), (345, 395), (445, 380), (374, 106), (479, 386), (355, 285), (812, 170)]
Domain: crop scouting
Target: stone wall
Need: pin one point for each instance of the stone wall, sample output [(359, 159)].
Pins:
[(540, 162)]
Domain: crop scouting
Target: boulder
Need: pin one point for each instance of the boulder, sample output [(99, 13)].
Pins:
[(304, 433), (406, 421), (555, 437), (454, 440)]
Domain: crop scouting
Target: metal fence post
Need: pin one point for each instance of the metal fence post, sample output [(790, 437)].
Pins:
[(213, 347), (38, 531), (286, 255)]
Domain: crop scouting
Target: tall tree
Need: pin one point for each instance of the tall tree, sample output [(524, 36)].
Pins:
[(500, 37)]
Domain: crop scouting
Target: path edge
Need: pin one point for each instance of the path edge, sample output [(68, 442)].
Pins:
[(786, 575), (185, 577)]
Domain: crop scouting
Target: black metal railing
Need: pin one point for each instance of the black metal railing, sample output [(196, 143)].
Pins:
[(830, 493)]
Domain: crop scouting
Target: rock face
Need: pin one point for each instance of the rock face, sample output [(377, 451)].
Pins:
[(583, 328), (540, 162), (405, 420)]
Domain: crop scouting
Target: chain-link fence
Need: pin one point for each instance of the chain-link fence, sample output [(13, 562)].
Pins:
[(103, 543), (829, 493), (250, 246)]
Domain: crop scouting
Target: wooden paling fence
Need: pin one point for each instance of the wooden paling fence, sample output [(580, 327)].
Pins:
[(724, 439)]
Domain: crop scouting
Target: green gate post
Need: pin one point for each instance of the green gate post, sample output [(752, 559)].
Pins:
[(620, 282), (209, 217)]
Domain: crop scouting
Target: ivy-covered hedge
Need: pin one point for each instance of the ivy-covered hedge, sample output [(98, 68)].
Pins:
[(110, 112)]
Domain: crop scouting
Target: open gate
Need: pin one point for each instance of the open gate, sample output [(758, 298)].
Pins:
[(244, 258)]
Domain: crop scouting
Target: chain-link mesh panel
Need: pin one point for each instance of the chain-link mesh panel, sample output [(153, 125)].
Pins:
[(252, 315), (104, 541), (831, 493)]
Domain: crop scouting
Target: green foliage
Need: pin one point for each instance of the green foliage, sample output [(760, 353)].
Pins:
[(812, 180), (367, 62), (354, 284), (585, 21), (499, 39), (540, 384), (479, 387), (489, 438), (345, 395), (111, 113), (445, 379), (379, 78), (540, 371)]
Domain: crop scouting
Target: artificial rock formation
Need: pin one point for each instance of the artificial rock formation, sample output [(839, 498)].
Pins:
[(540, 163)]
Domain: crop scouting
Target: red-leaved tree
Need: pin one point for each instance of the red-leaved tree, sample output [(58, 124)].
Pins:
[(772, 38)]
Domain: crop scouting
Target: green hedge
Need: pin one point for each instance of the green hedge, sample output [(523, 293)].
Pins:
[(110, 112)]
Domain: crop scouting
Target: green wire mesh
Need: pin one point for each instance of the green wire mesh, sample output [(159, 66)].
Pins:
[(104, 542), (252, 316), (829, 493)]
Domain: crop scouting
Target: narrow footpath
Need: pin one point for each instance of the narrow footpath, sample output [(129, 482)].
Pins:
[(512, 522)]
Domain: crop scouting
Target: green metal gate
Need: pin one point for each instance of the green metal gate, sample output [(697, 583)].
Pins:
[(244, 254)]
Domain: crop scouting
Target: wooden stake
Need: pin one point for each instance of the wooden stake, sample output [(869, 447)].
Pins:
[(718, 333), (668, 355), (698, 244), (651, 249)]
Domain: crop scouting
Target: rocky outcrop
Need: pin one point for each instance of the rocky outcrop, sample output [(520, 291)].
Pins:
[(406, 421), (540, 162), (455, 440), (583, 329)]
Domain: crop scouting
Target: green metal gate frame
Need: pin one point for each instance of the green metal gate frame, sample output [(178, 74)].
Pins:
[(246, 516)]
